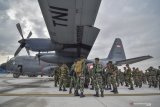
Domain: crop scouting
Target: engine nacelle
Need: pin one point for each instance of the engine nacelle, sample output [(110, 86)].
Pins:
[(42, 44)]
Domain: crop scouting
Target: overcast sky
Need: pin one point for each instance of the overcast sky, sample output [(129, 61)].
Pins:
[(136, 22)]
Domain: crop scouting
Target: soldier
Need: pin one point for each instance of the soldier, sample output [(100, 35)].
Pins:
[(129, 77), (125, 77), (134, 75), (56, 77), (152, 77), (138, 77), (112, 71), (98, 72), (121, 77), (63, 77), (158, 76), (80, 69), (107, 77), (72, 75), (91, 76), (118, 76)]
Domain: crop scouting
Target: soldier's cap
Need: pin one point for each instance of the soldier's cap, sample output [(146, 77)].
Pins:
[(97, 59)]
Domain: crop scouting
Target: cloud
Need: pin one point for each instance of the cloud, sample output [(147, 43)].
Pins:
[(136, 22)]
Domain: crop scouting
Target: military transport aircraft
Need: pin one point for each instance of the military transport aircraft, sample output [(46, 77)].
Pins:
[(116, 55), (28, 66), (70, 24)]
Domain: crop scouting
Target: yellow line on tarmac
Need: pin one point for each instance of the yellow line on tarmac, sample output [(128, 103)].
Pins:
[(71, 95)]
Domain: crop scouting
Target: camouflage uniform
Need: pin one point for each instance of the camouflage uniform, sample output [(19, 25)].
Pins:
[(138, 78), (98, 82), (144, 78), (158, 76), (72, 78), (121, 77), (152, 77), (56, 77), (81, 79), (118, 77), (134, 72), (107, 77), (112, 71), (63, 77), (125, 77), (91, 76), (129, 77)]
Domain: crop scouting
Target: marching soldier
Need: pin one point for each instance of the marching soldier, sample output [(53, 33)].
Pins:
[(129, 77), (98, 72), (63, 77), (158, 76), (152, 77)]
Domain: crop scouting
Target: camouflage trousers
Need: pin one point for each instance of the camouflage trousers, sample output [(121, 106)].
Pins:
[(72, 82), (98, 83), (62, 81), (113, 82), (56, 80), (138, 81), (80, 83), (152, 81), (129, 81)]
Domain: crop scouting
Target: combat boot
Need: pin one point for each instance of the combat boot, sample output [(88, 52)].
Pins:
[(97, 94), (64, 89), (76, 93), (102, 93), (116, 91), (92, 88), (131, 88), (82, 95), (60, 89), (113, 90)]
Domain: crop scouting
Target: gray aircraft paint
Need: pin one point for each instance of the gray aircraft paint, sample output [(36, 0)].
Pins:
[(30, 66)]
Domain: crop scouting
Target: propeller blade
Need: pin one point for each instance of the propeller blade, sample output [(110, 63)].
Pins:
[(19, 29), (18, 50), (28, 52), (29, 35)]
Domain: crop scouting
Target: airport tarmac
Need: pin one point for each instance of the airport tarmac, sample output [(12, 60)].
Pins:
[(40, 92)]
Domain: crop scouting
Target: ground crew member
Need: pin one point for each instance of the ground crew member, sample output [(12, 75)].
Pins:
[(63, 77), (98, 72)]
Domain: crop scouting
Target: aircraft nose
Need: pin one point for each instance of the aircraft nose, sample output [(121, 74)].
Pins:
[(3, 66)]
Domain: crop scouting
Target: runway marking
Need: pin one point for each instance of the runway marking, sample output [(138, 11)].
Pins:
[(71, 95)]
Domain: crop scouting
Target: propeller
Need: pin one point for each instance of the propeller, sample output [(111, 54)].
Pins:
[(22, 41)]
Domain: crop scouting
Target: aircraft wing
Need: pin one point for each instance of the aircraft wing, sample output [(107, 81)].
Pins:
[(133, 60), (67, 19)]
